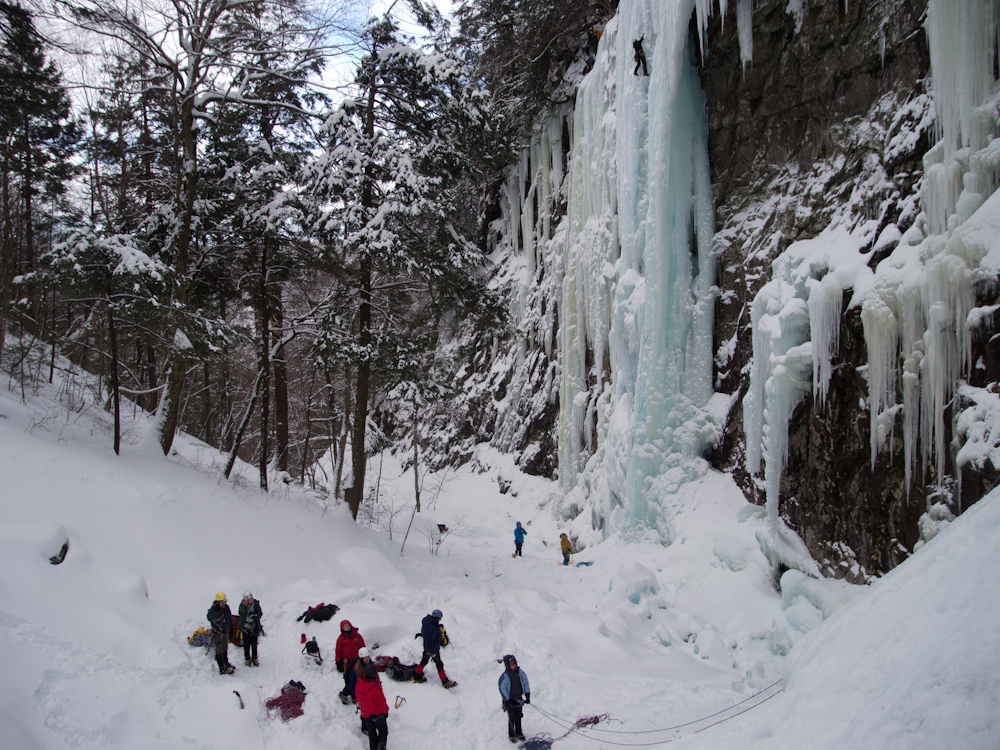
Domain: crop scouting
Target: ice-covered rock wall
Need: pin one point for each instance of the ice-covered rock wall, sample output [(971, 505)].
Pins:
[(916, 307), (639, 286)]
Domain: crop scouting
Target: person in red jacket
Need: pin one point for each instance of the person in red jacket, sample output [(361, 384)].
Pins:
[(374, 709), (348, 643)]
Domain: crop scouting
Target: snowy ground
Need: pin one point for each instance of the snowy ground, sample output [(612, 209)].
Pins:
[(95, 652)]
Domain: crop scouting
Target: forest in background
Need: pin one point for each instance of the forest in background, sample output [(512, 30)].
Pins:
[(191, 212)]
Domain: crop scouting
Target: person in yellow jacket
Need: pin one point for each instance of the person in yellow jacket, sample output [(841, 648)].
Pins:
[(567, 547)]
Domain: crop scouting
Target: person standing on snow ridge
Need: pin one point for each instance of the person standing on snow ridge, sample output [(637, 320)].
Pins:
[(349, 642), (249, 625), (374, 709), (567, 548), (519, 533), (430, 631), (516, 692), (221, 618)]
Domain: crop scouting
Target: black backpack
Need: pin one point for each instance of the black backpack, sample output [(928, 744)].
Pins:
[(311, 649), (399, 671)]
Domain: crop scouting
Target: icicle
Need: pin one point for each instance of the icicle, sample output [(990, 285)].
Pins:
[(882, 338), (744, 29)]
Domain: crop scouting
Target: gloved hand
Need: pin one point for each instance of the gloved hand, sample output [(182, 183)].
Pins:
[(504, 706), (527, 698)]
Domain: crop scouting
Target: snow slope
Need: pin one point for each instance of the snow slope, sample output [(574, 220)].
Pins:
[(95, 650)]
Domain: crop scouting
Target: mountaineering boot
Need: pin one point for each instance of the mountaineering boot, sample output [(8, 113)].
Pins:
[(248, 662), (448, 684), (255, 662), (512, 740), (520, 736), (344, 698), (381, 746), (228, 669), (354, 700), (419, 678)]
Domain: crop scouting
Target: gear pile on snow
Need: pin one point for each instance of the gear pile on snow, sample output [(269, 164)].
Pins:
[(320, 613), (288, 705)]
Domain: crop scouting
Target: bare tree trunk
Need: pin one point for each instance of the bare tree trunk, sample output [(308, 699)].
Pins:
[(263, 314), (115, 397), (280, 392), (188, 194), (238, 438), (358, 455), (416, 457)]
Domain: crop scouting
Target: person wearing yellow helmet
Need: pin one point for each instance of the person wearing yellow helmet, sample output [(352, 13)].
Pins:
[(221, 619)]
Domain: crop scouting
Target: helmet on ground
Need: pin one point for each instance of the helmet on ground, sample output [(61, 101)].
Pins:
[(363, 652), (200, 630), (346, 624), (220, 597), (247, 595), (437, 613)]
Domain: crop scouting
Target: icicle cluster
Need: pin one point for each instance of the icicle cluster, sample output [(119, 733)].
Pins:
[(916, 315), (796, 322)]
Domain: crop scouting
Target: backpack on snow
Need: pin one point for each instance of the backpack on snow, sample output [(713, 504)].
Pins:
[(399, 671), (311, 650)]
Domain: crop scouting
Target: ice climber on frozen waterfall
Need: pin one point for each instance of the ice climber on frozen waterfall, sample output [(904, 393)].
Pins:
[(516, 692)]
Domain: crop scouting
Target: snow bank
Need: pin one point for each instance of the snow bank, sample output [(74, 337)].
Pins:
[(911, 663)]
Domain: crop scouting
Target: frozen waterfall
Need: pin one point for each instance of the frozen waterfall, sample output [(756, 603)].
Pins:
[(638, 289)]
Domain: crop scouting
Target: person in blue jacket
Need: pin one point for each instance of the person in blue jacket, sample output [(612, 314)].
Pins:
[(430, 631), (516, 692), (519, 533)]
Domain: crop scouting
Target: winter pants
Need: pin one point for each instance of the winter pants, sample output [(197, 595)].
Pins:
[(517, 548), (566, 557), (437, 663), (221, 643), (349, 678), (514, 714), (378, 731), (250, 646)]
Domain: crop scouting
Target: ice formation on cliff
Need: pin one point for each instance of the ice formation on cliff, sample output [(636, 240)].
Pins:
[(917, 307), (638, 291)]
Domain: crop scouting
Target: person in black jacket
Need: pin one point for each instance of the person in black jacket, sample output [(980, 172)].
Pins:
[(221, 618), (249, 625), (515, 691), (430, 631)]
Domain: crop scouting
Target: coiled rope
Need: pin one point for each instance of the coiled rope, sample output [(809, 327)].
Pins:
[(288, 705), (544, 741)]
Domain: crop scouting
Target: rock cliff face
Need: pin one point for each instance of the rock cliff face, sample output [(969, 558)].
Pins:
[(802, 133), (832, 116)]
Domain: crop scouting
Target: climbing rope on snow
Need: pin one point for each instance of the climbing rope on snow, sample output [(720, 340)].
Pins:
[(538, 742), (288, 705)]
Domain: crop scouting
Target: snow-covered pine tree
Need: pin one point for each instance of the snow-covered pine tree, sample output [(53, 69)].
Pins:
[(202, 54), (386, 190), (38, 138)]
